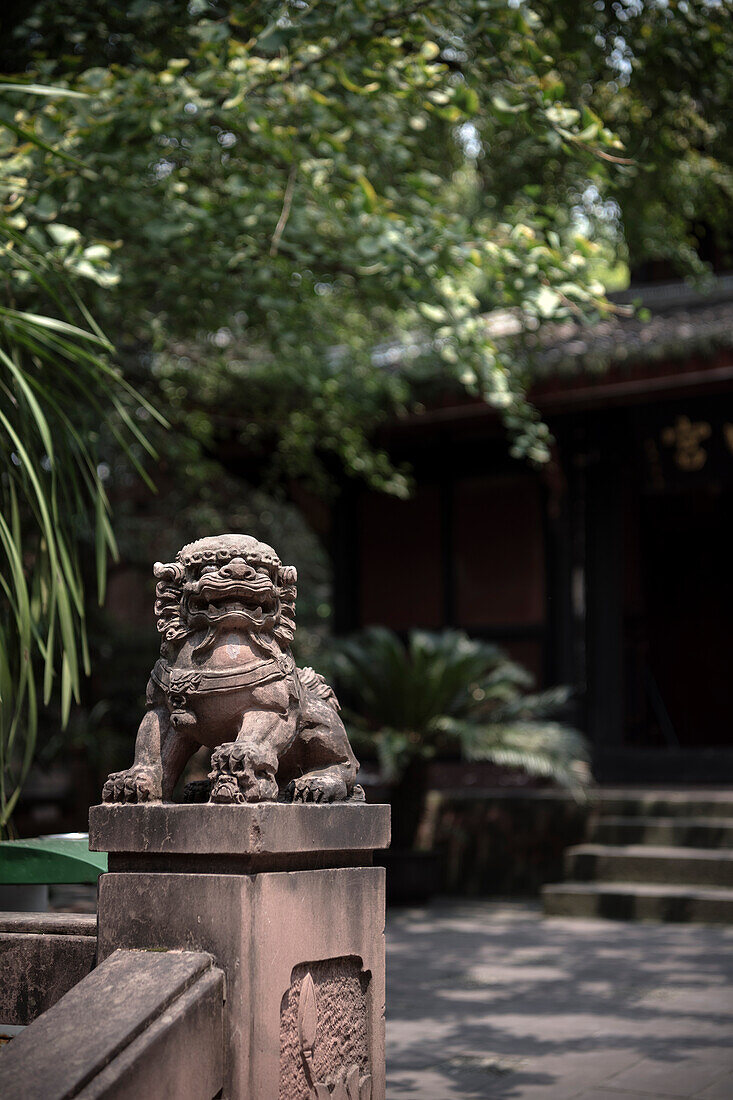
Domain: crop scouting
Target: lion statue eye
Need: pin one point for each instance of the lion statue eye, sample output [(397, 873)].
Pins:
[(208, 569)]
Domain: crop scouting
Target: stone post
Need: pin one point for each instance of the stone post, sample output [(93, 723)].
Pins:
[(272, 875), (285, 898)]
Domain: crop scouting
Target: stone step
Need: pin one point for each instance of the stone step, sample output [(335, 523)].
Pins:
[(635, 901), (663, 802), (647, 863), (690, 832)]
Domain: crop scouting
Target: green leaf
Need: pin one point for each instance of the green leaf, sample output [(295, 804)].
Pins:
[(63, 234), (41, 89), (547, 301)]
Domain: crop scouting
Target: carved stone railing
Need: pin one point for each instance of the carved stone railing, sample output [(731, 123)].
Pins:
[(143, 1023)]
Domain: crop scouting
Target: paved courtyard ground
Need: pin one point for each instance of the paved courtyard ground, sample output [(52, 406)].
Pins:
[(490, 1000)]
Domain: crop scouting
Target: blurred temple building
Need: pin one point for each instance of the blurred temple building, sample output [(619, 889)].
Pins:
[(609, 568)]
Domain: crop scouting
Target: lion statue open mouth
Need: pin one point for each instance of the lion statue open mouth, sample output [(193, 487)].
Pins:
[(226, 679)]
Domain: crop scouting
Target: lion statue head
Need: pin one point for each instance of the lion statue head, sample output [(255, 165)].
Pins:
[(230, 581)]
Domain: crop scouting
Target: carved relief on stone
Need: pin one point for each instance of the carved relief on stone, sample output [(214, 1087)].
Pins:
[(324, 1042), (226, 679)]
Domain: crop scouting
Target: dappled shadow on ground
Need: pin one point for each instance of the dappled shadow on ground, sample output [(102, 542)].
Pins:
[(491, 1000)]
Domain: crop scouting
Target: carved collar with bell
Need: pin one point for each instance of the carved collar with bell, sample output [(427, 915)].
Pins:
[(193, 680)]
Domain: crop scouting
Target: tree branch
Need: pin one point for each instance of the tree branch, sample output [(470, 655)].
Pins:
[(285, 212)]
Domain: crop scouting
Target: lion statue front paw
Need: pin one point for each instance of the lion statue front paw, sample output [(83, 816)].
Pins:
[(317, 788), (140, 783), (243, 772), (226, 791)]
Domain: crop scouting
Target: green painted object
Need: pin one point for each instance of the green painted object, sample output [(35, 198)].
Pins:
[(50, 859)]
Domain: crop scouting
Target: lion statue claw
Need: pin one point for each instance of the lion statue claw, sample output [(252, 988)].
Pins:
[(140, 783), (317, 788), (251, 767), (226, 679)]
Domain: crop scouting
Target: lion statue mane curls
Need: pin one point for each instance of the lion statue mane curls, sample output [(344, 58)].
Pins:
[(226, 679)]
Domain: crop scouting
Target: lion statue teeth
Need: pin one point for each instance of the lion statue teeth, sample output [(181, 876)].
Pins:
[(226, 679)]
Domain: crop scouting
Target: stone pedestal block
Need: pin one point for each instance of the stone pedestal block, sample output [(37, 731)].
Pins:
[(285, 899)]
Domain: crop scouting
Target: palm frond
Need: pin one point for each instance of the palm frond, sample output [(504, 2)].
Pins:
[(539, 748), (58, 387), (447, 693), (542, 704)]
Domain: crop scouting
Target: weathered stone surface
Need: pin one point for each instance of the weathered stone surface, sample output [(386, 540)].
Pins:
[(686, 832), (180, 1055), (37, 970), (639, 901), (54, 924), (647, 863), (335, 995), (657, 855), (673, 802), (42, 955), (260, 929), (133, 998), (253, 829), (226, 678)]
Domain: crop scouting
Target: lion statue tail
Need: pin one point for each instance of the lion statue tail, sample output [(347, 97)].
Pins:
[(312, 681)]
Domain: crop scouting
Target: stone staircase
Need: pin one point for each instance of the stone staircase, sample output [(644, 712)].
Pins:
[(651, 855)]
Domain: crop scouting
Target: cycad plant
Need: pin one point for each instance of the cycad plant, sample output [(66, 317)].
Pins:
[(448, 695), (59, 390)]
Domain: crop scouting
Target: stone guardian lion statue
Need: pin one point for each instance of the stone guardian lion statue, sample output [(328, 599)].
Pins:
[(226, 679)]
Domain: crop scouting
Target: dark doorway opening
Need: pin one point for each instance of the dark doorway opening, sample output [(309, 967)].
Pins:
[(679, 620)]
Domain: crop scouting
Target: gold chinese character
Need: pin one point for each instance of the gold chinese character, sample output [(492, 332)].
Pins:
[(686, 437)]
